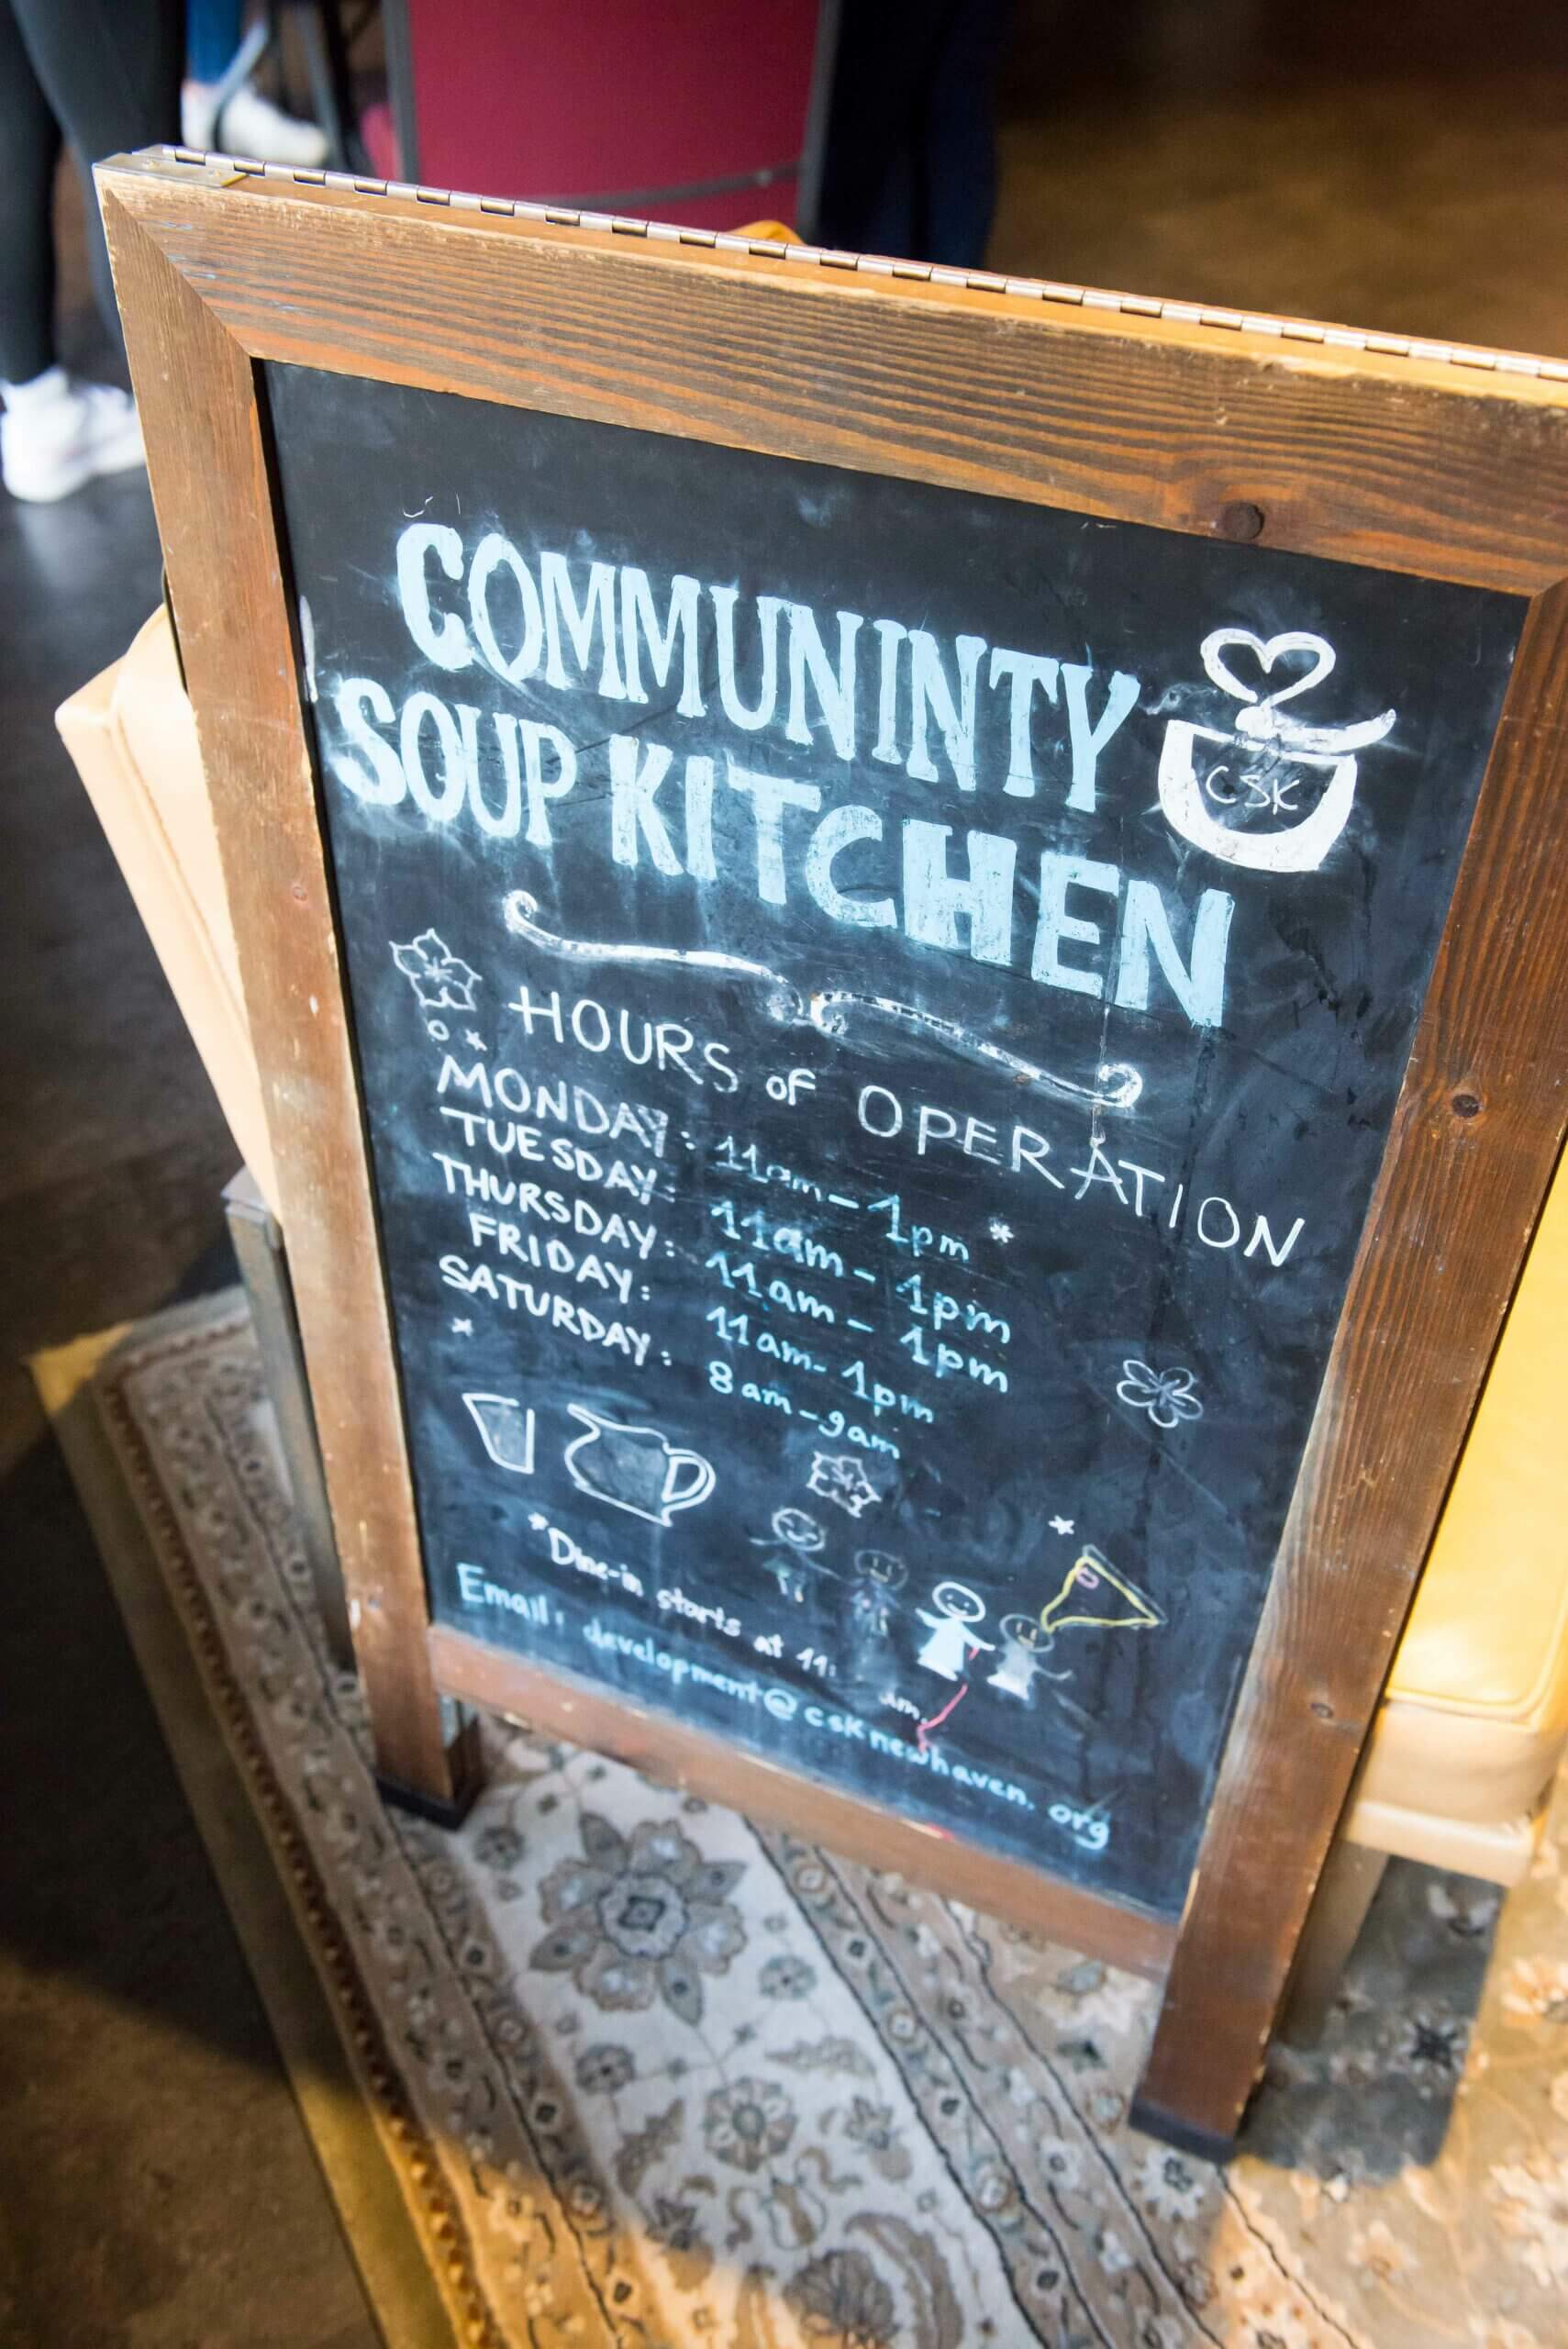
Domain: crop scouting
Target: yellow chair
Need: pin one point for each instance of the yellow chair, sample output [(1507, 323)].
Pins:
[(1459, 1767)]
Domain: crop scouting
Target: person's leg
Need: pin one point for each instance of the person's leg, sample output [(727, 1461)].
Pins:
[(212, 36), (958, 197), (29, 149), (107, 71), (110, 70), (869, 166), (244, 122)]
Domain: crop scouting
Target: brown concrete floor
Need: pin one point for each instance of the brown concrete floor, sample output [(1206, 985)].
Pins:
[(1403, 169), (156, 2187)]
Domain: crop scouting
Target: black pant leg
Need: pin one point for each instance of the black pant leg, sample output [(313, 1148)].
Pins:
[(959, 145), (29, 149), (111, 70), (910, 166)]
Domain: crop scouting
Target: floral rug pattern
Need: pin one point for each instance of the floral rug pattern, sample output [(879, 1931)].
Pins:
[(662, 2079)]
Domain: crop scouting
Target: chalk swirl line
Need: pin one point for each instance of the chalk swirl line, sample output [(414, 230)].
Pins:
[(1117, 1086), (784, 1002)]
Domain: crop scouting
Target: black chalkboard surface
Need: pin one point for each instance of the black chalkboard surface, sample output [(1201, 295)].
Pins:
[(879, 1011)]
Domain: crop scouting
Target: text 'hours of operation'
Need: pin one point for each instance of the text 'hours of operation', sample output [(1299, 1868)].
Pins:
[(879, 1012)]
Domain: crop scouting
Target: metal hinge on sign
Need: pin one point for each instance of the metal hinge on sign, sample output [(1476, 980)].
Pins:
[(973, 281)]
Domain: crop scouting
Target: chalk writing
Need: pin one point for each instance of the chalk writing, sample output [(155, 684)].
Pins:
[(879, 1009)]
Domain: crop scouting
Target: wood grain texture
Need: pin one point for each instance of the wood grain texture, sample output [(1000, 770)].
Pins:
[(1353, 454), (1457, 1200), (197, 392), (1357, 456), (563, 1706)]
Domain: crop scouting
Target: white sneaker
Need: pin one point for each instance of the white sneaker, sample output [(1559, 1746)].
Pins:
[(198, 116), (56, 434), (250, 125)]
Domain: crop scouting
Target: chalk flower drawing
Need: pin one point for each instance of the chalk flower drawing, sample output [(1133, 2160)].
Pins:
[(839, 1477), (440, 980), (1166, 1394), (639, 1918)]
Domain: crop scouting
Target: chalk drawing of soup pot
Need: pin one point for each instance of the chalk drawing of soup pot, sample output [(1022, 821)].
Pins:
[(635, 1468), (1271, 758)]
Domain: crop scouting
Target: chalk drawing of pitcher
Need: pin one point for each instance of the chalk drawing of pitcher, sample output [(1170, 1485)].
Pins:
[(1284, 753), (635, 1468)]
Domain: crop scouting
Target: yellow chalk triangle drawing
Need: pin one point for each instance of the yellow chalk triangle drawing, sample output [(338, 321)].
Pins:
[(1100, 1597)]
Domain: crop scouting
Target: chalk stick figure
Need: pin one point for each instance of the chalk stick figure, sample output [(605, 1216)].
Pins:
[(1022, 1643), (793, 1564), (873, 1602), (879, 1576), (952, 1642)]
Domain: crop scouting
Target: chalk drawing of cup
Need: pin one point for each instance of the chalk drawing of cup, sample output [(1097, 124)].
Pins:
[(635, 1468), (506, 1429), (1271, 757)]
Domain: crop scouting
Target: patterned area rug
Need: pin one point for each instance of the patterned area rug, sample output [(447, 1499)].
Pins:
[(652, 2076)]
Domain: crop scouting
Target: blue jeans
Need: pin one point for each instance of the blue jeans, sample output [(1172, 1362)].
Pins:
[(212, 36)]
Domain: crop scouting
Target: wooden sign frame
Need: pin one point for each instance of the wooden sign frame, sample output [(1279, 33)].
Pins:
[(1444, 464)]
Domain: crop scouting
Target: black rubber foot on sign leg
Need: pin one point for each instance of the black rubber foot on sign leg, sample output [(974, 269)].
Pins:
[(1153, 2121), (467, 1775), (441, 1814)]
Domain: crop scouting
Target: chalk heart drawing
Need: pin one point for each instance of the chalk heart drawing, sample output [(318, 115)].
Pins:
[(635, 1468), (440, 980), (1215, 647), (1279, 741), (506, 1429)]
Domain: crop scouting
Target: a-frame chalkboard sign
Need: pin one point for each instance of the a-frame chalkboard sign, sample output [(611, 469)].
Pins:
[(908, 936)]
